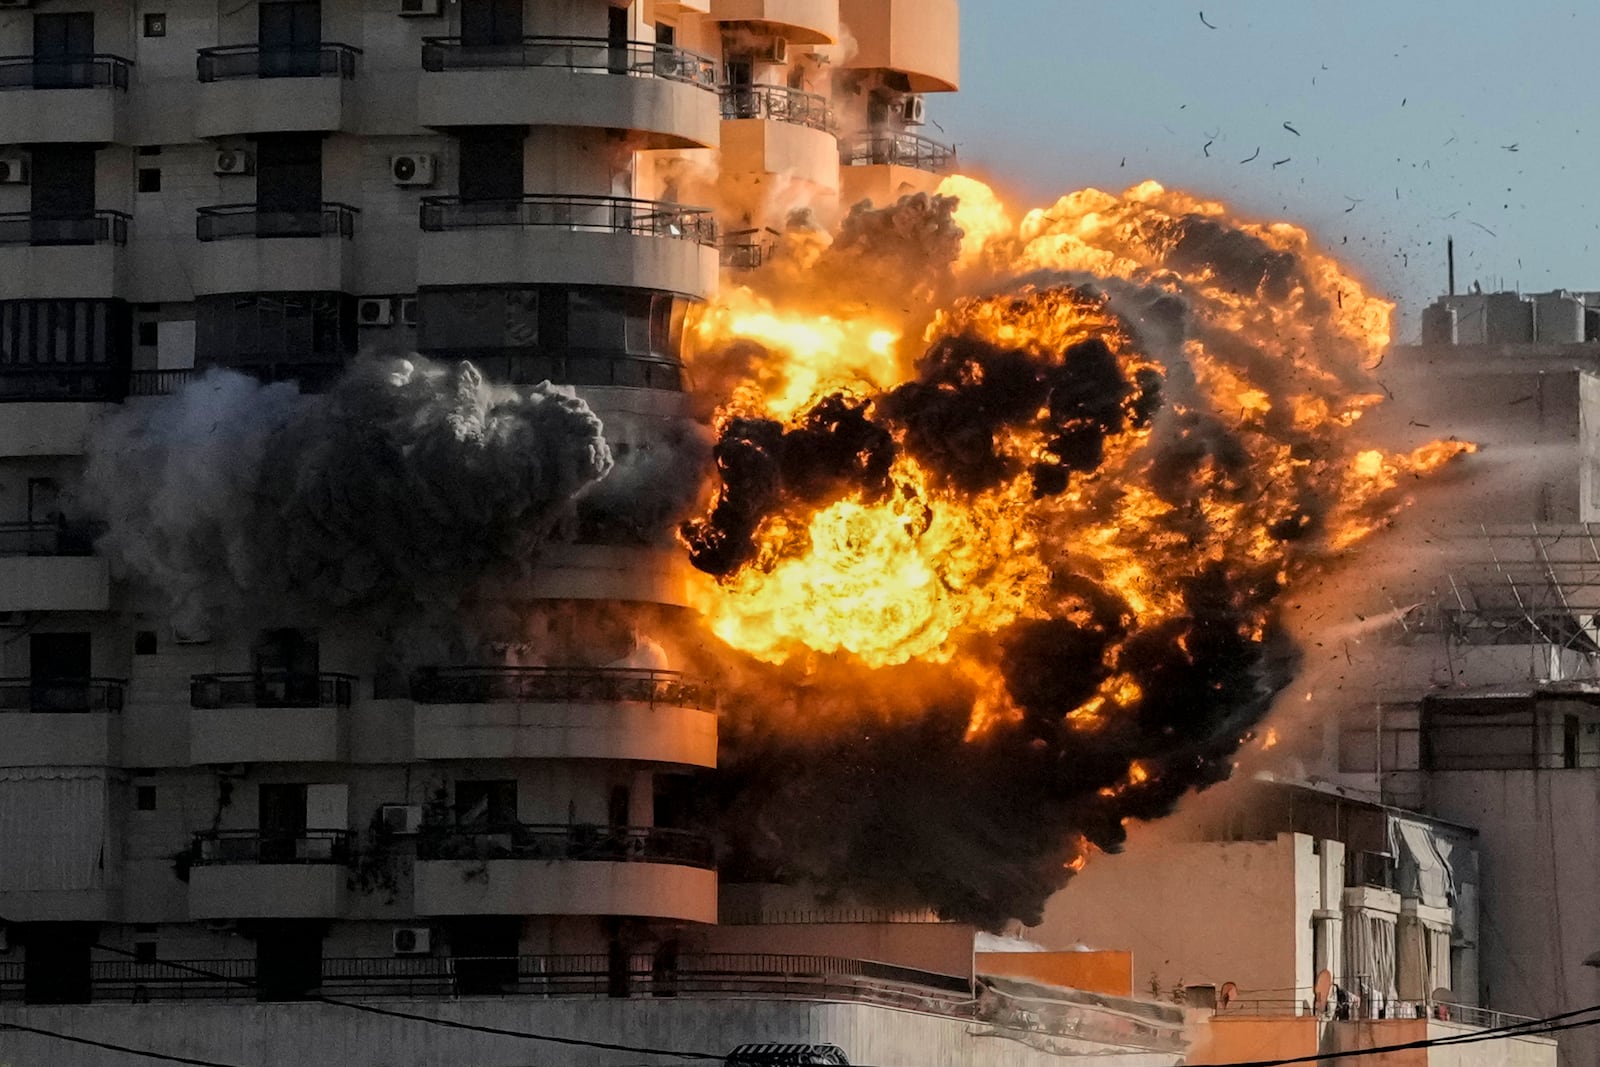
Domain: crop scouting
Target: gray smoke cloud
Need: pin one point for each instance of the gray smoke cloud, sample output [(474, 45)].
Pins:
[(409, 483)]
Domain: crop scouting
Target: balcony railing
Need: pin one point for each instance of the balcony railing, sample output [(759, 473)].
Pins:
[(62, 696), (95, 228), (901, 150), (46, 539), (688, 975), (255, 61), (69, 72), (575, 843), (592, 55), (220, 847), (555, 685), (227, 221), (602, 214), (271, 689), (74, 382), (159, 382), (778, 103)]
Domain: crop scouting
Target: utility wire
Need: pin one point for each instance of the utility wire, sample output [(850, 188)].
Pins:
[(111, 1047)]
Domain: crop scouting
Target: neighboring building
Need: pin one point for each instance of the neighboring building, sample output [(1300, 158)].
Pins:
[(278, 812)]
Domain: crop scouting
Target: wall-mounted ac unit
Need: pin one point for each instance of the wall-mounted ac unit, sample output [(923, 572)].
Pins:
[(374, 311), (779, 52), (413, 168), (197, 636), (914, 111), (412, 941), (233, 161), (416, 9), (401, 819), (408, 311), (13, 170)]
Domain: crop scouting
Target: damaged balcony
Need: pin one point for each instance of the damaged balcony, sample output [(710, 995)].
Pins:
[(773, 129), (254, 874), (269, 717), (648, 872), (564, 713), (886, 165)]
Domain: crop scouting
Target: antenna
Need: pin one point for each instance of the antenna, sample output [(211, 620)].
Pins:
[(1450, 254)]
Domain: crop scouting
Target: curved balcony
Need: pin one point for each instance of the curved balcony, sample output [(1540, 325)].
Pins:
[(269, 717), (51, 567), (564, 713), (918, 38), (777, 103), (776, 130), (244, 249), (68, 722), (571, 240), (566, 870), (250, 89), (883, 167), (665, 93), (253, 874), (49, 257), (799, 21), (75, 100)]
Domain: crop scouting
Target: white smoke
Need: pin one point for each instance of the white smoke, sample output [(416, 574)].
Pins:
[(408, 483)]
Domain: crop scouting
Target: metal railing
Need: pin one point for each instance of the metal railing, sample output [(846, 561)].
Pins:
[(62, 696), (226, 847), (225, 221), (73, 382), (59, 538), (591, 55), (899, 149), (271, 689), (779, 103), (93, 71), (225, 62), (95, 228), (560, 685), (310, 377), (576, 843), (687, 975), (1472, 1015), (604, 214), (159, 382)]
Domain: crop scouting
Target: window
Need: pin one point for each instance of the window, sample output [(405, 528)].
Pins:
[(486, 805), (148, 335), (288, 959), (155, 24), (666, 34), (144, 643), (61, 190), (248, 330), (490, 165), (149, 179), (1570, 729), (288, 183), (290, 33), (286, 668), (55, 969), (144, 797), (144, 943), (61, 41), (491, 22)]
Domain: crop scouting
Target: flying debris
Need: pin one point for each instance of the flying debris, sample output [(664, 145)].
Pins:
[(1280, 162), (1291, 129), (1484, 228), (1207, 24), (1206, 148), (1511, 147), (1254, 155)]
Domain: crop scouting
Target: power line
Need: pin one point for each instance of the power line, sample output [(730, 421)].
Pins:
[(112, 1047)]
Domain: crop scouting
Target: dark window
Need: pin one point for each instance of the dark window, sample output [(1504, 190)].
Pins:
[(55, 969), (148, 333), (281, 821), (490, 164), (61, 44), (1569, 741), (666, 34), (286, 666), (144, 643), (144, 797), (62, 193), (484, 805), (273, 332), (58, 656), (609, 321), (64, 348), (470, 319), (288, 184), (491, 22), (620, 806), (145, 952), (149, 179), (290, 35), (288, 960), (617, 39), (155, 24), (150, 150), (740, 73)]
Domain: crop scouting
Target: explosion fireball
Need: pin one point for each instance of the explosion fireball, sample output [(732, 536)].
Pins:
[(1012, 506)]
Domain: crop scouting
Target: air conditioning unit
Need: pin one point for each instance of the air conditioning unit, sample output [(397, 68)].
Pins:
[(779, 53), (412, 941), (408, 311), (374, 311), (13, 170), (198, 636), (234, 161), (914, 110), (417, 9), (415, 168), (402, 820)]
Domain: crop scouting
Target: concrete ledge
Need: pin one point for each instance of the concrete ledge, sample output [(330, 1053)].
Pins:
[(267, 890), (275, 264), (565, 887), (802, 21), (272, 105), (613, 731), (44, 739), (268, 735), (54, 583), (768, 146), (46, 428), (505, 255), (64, 272), (34, 116)]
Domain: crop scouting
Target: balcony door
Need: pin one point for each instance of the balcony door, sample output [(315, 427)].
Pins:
[(281, 821), (288, 959), (62, 194), (287, 665), (490, 179), (491, 23), (289, 185), (58, 671), (290, 36), (63, 45)]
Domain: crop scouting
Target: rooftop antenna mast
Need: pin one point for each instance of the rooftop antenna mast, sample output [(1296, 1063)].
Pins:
[(1450, 255)]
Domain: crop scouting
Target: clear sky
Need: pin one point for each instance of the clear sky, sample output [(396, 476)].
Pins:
[(1407, 111)]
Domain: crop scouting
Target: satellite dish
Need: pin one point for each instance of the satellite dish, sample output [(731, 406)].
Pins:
[(1442, 995), (1227, 994), (1322, 989)]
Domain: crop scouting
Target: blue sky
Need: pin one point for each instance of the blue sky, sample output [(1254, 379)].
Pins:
[(1406, 112)]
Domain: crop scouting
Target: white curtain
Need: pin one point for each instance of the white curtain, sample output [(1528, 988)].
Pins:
[(1369, 958), (52, 829)]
